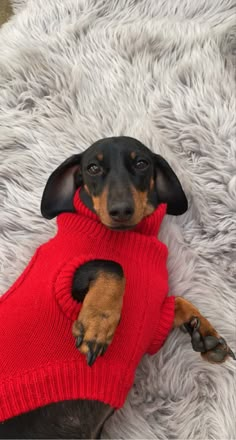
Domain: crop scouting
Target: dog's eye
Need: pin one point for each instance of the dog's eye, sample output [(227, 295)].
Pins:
[(94, 170), (141, 164)]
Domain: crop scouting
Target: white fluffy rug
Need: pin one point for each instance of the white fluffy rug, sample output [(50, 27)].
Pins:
[(73, 71)]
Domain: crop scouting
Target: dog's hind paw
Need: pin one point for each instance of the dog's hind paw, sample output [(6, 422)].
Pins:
[(205, 340)]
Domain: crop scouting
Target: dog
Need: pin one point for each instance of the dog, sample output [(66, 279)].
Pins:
[(121, 183)]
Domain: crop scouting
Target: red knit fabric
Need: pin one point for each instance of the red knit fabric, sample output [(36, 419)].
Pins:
[(39, 363)]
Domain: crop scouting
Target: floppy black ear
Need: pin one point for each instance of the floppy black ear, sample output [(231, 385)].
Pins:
[(60, 188), (169, 189)]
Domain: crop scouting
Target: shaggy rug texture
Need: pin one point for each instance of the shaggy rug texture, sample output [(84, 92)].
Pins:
[(163, 71)]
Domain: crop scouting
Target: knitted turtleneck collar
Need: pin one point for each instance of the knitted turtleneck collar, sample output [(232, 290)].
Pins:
[(150, 225)]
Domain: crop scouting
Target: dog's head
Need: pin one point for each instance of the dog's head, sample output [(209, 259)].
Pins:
[(121, 180)]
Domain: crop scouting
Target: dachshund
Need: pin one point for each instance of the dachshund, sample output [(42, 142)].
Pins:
[(122, 182)]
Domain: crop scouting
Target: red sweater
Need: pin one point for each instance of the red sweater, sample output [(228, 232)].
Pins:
[(39, 363)]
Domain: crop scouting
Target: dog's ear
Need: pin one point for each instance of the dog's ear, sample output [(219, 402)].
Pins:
[(61, 186), (169, 189)]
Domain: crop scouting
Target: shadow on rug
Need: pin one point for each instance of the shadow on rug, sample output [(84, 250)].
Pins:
[(5, 11)]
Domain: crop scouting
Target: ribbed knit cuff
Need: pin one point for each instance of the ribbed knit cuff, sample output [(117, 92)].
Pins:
[(60, 381), (63, 287), (165, 324)]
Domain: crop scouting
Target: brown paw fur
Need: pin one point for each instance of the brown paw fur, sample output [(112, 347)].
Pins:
[(99, 317)]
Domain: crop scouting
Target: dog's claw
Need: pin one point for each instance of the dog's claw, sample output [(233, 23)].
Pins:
[(90, 358), (222, 341), (79, 341), (94, 351), (231, 354), (91, 354), (192, 326), (229, 351), (98, 350), (104, 349)]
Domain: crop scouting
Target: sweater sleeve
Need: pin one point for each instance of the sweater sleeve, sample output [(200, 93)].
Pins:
[(164, 325)]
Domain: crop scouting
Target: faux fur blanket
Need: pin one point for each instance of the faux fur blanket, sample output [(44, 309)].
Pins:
[(73, 71)]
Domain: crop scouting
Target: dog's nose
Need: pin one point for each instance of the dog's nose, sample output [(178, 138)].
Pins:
[(121, 211)]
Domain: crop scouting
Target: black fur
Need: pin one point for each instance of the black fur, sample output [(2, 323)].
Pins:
[(72, 419), (89, 272)]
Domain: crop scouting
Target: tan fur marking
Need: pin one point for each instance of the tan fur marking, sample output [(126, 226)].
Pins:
[(184, 311), (133, 155), (100, 156), (151, 184), (100, 206), (142, 207)]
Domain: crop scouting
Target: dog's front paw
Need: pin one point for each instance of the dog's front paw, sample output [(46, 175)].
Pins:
[(94, 331), (205, 340), (99, 317)]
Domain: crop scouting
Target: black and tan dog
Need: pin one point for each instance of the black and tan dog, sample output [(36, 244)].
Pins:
[(122, 181)]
